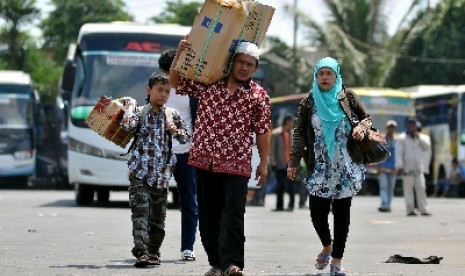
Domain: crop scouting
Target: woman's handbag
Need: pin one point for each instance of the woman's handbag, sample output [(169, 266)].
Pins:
[(372, 149)]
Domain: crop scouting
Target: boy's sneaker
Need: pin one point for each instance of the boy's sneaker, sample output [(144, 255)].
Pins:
[(337, 270), (188, 255), (142, 261), (214, 271)]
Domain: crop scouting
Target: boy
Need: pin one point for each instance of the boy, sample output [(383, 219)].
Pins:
[(150, 166)]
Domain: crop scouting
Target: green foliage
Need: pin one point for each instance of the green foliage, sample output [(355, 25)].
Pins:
[(45, 72), (178, 12), (15, 13), (63, 24), (280, 74), (436, 56), (356, 34)]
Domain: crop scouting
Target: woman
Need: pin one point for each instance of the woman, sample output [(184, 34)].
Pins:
[(323, 128)]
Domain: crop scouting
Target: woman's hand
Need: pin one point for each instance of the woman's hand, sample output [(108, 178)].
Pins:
[(291, 173), (358, 133)]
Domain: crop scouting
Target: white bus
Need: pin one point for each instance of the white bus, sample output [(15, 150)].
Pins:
[(440, 109), (113, 59)]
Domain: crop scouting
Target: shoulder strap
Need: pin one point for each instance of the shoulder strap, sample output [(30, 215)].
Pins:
[(348, 109), (142, 114)]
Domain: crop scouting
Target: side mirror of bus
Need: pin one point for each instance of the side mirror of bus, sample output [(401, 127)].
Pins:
[(69, 73)]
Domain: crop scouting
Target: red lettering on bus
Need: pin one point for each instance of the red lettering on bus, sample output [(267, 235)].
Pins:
[(143, 47)]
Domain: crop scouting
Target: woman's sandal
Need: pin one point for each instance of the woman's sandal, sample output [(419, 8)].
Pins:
[(322, 261), (337, 270)]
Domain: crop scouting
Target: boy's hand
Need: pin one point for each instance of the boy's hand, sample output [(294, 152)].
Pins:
[(172, 128)]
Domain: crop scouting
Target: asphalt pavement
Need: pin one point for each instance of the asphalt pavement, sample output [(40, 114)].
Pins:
[(45, 233)]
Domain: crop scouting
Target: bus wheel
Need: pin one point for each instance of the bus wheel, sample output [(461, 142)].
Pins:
[(103, 195), (84, 194)]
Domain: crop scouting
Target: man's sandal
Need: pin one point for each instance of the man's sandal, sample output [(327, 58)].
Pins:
[(233, 270), (322, 261)]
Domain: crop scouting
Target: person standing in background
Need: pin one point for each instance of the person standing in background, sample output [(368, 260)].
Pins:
[(184, 174), (387, 174), (409, 154), (280, 150)]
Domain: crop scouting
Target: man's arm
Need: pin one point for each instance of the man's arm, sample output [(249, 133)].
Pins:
[(263, 146)]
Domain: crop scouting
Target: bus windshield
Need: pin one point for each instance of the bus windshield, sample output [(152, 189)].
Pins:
[(380, 107), (384, 108), (115, 65), (115, 75), (15, 106), (15, 111)]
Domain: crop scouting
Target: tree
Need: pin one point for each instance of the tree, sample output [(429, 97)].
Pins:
[(436, 55), (62, 25), (356, 35), (15, 13), (279, 73), (178, 12)]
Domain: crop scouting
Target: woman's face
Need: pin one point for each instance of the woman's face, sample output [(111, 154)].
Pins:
[(326, 78)]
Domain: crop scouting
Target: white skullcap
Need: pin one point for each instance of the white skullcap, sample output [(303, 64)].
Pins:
[(248, 48)]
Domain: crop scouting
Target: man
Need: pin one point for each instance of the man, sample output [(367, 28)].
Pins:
[(387, 174), (184, 174), (281, 140), (410, 148), (229, 111)]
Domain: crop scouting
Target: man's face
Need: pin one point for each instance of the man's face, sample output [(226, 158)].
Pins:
[(159, 93), (326, 78), (391, 129), (244, 67), (411, 127)]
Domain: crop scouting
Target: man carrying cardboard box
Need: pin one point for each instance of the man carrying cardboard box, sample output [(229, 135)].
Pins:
[(229, 111)]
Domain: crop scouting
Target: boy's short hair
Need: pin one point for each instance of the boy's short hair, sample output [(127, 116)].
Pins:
[(158, 77), (166, 58)]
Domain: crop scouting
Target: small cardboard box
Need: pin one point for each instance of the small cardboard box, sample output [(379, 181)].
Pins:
[(217, 28), (105, 118)]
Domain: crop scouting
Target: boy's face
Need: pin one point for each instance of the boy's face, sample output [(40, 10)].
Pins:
[(159, 93)]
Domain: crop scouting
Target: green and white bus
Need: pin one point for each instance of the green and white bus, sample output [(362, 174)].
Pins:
[(112, 59)]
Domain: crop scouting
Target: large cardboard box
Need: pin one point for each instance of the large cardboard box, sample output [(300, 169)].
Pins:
[(105, 119), (217, 28)]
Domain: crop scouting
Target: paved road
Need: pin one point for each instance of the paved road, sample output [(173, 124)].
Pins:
[(45, 233)]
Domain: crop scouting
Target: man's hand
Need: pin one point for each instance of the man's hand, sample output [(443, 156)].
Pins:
[(184, 45), (261, 174)]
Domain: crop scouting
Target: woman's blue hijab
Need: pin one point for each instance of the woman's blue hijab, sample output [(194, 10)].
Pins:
[(327, 103)]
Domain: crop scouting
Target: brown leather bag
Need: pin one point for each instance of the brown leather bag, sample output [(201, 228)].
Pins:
[(372, 149)]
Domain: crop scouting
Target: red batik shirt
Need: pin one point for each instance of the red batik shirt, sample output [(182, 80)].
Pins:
[(223, 139)]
